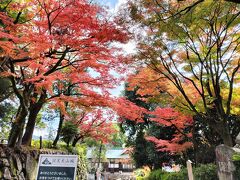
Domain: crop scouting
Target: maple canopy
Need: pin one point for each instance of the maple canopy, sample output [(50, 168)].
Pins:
[(189, 60), (93, 124), (171, 118), (58, 52)]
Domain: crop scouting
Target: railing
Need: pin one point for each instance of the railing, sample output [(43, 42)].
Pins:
[(117, 169)]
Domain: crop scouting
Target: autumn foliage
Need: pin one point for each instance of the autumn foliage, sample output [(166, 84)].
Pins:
[(168, 117), (59, 52), (96, 124), (64, 54), (188, 56), (156, 89)]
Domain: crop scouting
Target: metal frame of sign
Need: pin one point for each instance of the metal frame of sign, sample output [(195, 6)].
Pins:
[(55, 165)]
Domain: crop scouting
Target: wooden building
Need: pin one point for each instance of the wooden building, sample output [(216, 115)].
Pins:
[(116, 160)]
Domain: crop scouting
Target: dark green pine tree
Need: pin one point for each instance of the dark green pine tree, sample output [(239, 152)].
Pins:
[(145, 152)]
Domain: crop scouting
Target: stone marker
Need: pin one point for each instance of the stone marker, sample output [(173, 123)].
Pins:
[(189, 169), (237, 141), (98, 174), (224, 161)]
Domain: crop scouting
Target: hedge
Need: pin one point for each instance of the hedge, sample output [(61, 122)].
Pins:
[(202, 172)]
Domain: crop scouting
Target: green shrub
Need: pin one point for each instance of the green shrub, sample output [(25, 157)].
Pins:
[(161, 175), (203, 172), (142, 173), (236, 161), (182, 175), (156, 174), (45, 144), (140, 178)]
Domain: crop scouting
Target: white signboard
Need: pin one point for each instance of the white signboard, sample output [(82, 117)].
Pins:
[(57, 167)]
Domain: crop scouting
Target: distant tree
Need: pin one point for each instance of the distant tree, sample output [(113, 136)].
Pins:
[(144, 151), (68, 132), (118, 138)]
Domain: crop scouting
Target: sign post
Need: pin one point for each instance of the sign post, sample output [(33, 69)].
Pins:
[(57, 167), (189, 169)]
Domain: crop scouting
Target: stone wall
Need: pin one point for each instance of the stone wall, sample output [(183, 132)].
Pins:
[(21, 163)]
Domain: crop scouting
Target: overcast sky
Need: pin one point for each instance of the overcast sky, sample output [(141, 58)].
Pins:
[(112, 4)]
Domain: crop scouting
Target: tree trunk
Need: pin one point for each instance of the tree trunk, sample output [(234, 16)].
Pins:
[(61, 120), (227, 140), (222, 129), (99, 157), (68, 142), (17, 126), (226, 136), (195, 146), (75, 140), (99, 160), (33, 112), (20, 136)]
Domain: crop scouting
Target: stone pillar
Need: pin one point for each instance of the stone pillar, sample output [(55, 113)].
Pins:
[(225, 164), (189, 169), (237, 141), (98, 174)]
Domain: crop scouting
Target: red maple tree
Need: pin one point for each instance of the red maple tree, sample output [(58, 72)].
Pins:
[(181, 139), (61, 52), (154, 88)]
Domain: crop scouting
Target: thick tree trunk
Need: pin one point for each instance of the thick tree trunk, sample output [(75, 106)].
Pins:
[(222, 129), (227, 138), (220, 126), (17, 127), (34, 109), (75, 140), (19, 141), (33, 112), (61, 120)]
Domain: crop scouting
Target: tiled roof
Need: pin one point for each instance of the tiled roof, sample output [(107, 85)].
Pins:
[(111, 154)]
